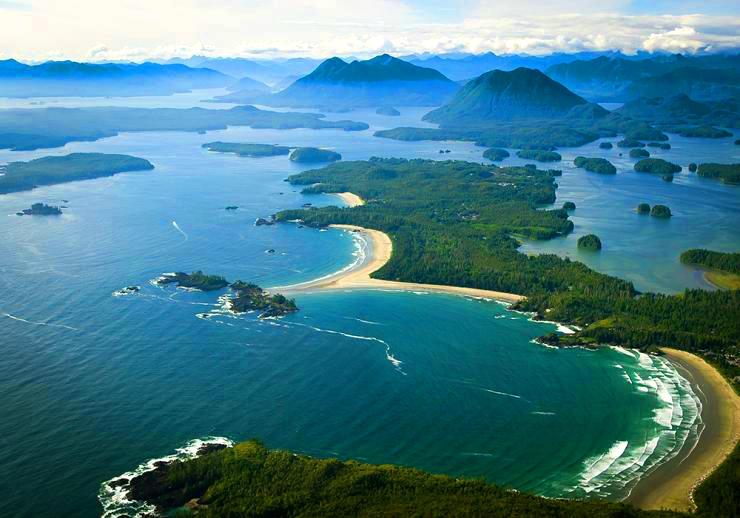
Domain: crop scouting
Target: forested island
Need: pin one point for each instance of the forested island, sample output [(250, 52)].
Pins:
[(196, 280), (41, 209), (52, 170), (723, 269), (246, 149), (495, 154), (595, 165), (260, 482), (312, 155), (590, 242), (660, 211), (643, 208), (28, 129), (727, 173), (657, 166), (639, 153), (250, 297), (539, 155)]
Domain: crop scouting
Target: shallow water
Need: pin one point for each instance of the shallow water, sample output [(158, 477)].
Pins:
[(92, 384)]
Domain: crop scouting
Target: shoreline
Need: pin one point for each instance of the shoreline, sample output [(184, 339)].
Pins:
[(671, 485), (358, 275)]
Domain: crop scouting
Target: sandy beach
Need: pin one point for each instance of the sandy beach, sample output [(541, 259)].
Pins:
[(351, 199), (377, 253), (672, 484)]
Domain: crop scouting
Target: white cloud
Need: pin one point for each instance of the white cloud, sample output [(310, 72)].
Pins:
[(148, 29), (680, 39)]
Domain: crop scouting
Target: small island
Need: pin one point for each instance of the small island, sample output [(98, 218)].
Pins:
[(657, 166), (722, 268), (630, 142), (726, 173), (247, 150), (703, 132), (313, 155), (247, 296), (660, 211), (692, 167), (595, 165), (41, 209), (569, 205), (639, 153), (196, 280), (540, 155), (495, 154), (388, 111), (250, 297), (52, 170), (589, 242), (643, 208), (661, 145), (606, 145)]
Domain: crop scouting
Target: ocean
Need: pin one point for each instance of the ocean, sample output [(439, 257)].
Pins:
[(94, 383)]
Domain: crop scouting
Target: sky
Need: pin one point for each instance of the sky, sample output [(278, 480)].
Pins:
[(138, 30)]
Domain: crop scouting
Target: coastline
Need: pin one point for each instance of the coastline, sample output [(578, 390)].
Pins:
[(671, 486)]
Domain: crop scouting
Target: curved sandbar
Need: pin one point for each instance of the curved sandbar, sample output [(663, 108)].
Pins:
[(378, 252), (672, 485)]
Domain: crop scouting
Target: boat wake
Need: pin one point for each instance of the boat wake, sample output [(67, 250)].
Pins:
[(49, 324), (181, 231)]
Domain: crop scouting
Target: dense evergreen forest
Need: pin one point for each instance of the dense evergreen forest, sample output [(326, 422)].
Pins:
[(723, 261), (250, 480)]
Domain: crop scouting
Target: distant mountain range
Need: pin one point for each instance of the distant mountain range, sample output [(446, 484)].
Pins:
[(271, 72), (69, 78), (497, 96), (380, 81), (708, 77), (462, 67)]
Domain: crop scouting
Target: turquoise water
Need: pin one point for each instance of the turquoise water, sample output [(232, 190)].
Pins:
[(93, 384)]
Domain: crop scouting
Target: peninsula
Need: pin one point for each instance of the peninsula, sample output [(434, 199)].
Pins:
[(261, 482), (37, 128)]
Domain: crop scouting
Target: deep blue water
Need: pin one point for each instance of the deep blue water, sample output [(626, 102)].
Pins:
[(92, 384)]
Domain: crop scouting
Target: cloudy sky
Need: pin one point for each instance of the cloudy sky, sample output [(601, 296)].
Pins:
[(144, 29)]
